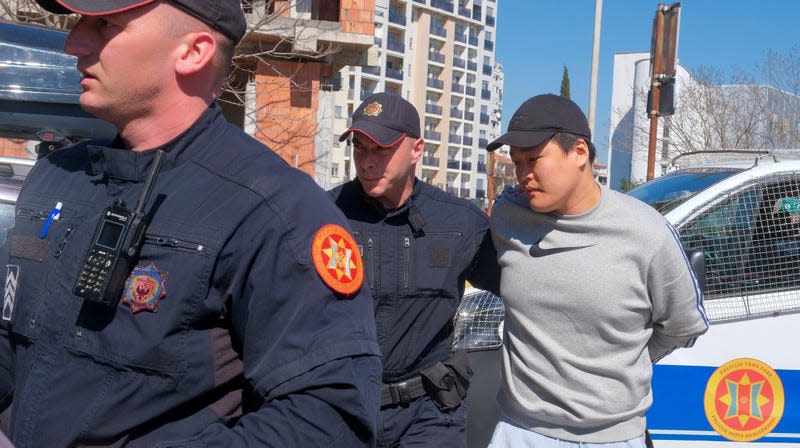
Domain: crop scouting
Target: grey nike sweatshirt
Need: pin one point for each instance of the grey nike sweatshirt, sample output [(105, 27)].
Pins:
[(591, 300)]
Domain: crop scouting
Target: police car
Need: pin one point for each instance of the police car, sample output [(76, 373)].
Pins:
[(740, 384)]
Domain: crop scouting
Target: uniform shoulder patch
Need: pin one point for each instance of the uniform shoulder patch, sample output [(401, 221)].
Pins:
[(337, 259)]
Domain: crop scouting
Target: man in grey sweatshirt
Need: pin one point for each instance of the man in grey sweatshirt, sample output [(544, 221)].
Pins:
[(596, 287)]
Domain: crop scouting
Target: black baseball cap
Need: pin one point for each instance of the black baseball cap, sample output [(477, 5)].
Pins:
[(225, 16), (540, 118), (385, 118)]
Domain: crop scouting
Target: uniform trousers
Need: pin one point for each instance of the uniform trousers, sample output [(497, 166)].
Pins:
[(420, 424)]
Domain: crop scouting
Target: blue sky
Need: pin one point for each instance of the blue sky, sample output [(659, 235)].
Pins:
[(537, 38)]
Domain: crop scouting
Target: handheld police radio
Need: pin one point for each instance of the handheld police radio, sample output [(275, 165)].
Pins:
[(115, 246)]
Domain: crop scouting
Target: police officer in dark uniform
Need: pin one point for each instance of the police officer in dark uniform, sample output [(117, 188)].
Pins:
[(419, 245), (240, 321)]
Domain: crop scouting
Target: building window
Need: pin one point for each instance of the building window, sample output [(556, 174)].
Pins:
[(334, 169)]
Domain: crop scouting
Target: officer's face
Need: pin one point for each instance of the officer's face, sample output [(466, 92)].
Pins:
[(553, 180), (386, 173), (126, 60)]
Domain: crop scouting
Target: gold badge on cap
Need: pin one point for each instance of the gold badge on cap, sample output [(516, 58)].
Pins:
[(373, 109)]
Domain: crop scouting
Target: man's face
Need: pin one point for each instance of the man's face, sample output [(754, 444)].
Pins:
[(125, 60), (548, 176), (386, 173)]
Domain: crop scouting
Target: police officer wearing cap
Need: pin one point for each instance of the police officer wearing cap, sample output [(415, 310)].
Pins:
[(419, 245), (240, 318)]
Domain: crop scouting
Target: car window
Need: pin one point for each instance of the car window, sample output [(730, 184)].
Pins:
[(669, 191), (774, 258), (6, 220), (751, 242), (723, 233)]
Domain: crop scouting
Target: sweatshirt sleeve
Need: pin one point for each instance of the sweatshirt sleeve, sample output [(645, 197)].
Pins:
[(678, 317)]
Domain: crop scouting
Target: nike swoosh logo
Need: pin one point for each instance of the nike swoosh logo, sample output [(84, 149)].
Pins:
[(537, 252)]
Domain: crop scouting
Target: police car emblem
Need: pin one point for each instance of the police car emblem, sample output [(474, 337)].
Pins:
[(337, 259), (744, 400), (145, 287), (373, 109)]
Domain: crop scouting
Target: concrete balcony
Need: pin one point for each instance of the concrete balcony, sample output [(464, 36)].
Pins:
[(436, 83), (430, 161), (436, 57), (433, 135), (291, 35), (433, 109)]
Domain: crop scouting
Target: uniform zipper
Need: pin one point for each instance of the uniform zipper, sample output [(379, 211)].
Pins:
[(62, 243), (168, 241), (444, 234), (372, 272), (32, 214), (406, 257)]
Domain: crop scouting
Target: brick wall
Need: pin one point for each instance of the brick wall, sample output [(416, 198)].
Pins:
[(13, 148), (287, 95), (358, 16)]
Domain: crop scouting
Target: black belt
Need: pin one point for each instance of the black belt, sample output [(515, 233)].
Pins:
[(402, 392)]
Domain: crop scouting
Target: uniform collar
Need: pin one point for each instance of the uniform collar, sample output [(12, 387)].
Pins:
[(115, 161), (415, 219)]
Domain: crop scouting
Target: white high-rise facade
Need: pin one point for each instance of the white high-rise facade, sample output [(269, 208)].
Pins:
[(439, 55)]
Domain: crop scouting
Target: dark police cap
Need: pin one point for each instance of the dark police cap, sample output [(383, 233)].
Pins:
[(385, 118), (225, 16), (539, 118)]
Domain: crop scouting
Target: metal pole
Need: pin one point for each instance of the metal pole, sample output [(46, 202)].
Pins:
[(490, 187), (655, 91), (598, 13)]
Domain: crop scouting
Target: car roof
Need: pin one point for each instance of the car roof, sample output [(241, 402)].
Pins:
[(764, 169), (735, 158), (40, 88)]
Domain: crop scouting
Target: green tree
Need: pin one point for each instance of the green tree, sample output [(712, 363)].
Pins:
[(565, 83), (626, 184)]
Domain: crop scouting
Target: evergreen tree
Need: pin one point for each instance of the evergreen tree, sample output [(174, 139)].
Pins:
[(565, 83)]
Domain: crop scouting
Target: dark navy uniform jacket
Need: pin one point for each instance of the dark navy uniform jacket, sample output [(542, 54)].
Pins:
[(248, 346), (417, 258)]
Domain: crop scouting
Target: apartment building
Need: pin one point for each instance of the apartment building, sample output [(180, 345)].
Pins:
[(440, 55), (289, 74)]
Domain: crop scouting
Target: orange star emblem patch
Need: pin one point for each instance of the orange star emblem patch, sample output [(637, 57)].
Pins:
[(337, 259)]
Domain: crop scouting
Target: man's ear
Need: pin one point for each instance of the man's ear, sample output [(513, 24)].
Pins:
[(417, 149), (195, 52), (581, 151)]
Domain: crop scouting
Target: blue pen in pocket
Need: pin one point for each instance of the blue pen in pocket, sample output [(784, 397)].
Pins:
[(55, 215)]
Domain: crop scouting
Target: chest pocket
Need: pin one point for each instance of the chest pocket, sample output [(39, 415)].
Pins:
[(162, 299), (368, 246), (37, 261), (435, 262)]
